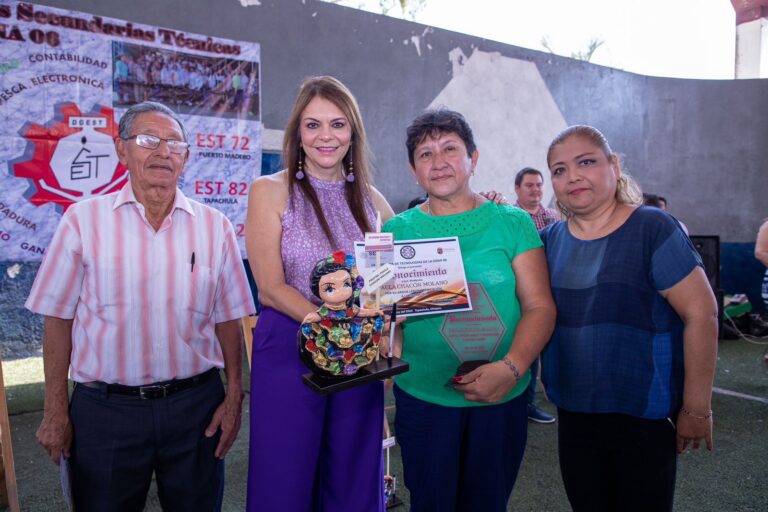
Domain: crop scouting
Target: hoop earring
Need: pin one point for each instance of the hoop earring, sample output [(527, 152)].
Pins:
[(350, 170), (300, 165)]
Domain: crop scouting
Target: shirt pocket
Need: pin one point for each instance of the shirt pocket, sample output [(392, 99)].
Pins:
[(108, 284), (199, 288)]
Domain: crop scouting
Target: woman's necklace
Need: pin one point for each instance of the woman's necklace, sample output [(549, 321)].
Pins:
[(474, 205)]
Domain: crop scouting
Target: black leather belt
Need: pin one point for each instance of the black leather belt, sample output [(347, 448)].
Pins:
[(152, 391)]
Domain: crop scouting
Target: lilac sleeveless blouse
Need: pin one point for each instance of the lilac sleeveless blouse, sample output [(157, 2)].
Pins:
[(303, 241)]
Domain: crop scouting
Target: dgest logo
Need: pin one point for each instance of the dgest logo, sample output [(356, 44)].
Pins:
[(72, 158)]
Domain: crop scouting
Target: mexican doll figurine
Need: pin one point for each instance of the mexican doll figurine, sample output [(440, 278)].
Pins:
[(339, 338)]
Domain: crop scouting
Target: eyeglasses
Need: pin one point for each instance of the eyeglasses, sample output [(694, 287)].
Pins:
[(152, 142)]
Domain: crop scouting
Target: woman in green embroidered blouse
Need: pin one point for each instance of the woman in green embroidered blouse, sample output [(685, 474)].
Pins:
[(462, 444)]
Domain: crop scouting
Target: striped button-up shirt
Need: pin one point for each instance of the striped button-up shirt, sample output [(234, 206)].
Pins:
[(144, 302)]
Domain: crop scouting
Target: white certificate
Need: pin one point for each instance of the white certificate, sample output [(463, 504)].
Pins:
[(428, 279)]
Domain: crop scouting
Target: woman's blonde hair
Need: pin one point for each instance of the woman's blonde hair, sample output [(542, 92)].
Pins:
[(627, 189)]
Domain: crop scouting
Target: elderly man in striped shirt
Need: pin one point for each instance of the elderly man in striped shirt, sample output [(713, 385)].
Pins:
[(142, 292)]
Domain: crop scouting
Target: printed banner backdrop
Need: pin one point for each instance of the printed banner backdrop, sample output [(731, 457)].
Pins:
[(66, 77)]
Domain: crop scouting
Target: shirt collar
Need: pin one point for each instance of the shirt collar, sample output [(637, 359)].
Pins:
[(538, 211), (126, 195)]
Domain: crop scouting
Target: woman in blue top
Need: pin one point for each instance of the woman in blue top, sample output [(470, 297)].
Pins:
[(631, 362)]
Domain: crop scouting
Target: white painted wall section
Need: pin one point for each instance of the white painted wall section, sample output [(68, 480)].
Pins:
[(752, 49), (512, 114)]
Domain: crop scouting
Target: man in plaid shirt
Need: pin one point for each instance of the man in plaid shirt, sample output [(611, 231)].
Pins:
[(529, 183)]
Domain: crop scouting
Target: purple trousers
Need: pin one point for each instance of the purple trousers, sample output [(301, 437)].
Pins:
[(309, 452)]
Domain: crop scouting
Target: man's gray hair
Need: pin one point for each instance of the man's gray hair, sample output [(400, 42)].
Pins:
[(126, 122)]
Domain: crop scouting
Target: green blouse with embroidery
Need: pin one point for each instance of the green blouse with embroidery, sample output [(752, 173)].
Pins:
[(490, 236)]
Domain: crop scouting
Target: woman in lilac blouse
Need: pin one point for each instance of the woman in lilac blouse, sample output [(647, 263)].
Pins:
[(309, 452)]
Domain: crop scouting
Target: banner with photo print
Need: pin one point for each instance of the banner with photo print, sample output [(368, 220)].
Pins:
[(66, 77)]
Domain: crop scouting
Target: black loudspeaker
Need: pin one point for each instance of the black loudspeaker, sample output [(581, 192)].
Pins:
[(709, 249)]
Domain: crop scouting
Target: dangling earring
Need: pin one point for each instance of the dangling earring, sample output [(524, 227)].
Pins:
[(350, 170), (300, 165)]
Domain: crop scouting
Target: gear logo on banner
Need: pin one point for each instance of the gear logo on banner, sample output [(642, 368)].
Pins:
[(72, 159)]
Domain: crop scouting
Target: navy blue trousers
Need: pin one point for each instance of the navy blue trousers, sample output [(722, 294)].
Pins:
[(119, 441), (617, 462), (462, 459)]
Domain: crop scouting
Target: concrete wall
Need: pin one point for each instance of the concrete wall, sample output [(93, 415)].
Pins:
[(698, 142), (702, 144)]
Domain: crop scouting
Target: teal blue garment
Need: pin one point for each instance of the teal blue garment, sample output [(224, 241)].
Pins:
[(490, 237), (618, 344)]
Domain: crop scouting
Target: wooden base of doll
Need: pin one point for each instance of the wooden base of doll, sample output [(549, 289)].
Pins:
[(377, 370)]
